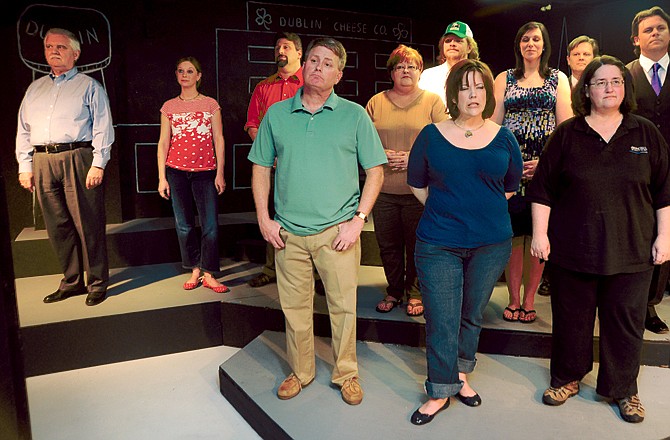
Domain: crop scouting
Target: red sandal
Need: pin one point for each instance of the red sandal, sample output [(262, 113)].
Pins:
[(217, 289), (191, 286)]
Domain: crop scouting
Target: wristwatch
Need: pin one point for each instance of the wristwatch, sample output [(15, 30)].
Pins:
[(362, 216)]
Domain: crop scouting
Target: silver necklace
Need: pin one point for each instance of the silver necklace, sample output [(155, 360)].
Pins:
[(468, 132)]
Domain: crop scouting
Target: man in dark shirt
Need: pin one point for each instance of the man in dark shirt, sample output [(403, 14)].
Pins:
[(650, 36)]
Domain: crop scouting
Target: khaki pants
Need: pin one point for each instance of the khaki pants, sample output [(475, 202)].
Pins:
[(295, 282)]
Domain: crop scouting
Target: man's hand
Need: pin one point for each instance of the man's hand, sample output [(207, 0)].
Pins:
[(270, 230), (27, 181), (94, 177), (252, 131), (349, 233)]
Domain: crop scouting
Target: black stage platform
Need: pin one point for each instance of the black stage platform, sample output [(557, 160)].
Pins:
[(147, 314), (392, 378)]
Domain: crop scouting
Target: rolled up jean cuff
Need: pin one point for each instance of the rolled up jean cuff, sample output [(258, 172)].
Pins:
[(442, 390), (466, 366)]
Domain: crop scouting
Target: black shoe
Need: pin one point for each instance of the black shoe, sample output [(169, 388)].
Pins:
[(543, 289), (261, 280), (421, 419), (60, 295), (653, 324), (470, 401), (95, 298)]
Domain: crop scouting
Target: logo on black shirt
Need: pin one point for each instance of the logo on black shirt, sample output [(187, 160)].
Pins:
[(638, 150)]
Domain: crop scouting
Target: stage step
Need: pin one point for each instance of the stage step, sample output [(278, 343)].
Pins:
[(392, 377), (244, 319), (154, 241), (148, 313)]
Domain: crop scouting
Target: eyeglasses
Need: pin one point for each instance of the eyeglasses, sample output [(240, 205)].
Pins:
[(602, 83), (400, 67)]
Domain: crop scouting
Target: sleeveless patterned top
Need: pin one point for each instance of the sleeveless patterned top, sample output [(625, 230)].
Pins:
[(530, 113)]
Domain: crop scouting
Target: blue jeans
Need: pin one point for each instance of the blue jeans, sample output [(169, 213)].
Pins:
[(456, 285), (186, 187)]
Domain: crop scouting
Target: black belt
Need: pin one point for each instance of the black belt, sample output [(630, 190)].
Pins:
[(59, 148)]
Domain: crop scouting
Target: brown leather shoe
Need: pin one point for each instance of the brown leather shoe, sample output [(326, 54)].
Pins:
[(290, 387), (352, 393)]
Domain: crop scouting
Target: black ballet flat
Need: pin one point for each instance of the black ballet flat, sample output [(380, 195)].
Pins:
[(470, 401), (421, 419)]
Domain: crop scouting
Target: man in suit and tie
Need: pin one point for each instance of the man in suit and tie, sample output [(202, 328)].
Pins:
[(650, 36)]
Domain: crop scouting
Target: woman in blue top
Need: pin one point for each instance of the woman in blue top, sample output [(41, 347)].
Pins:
[(463, 170)]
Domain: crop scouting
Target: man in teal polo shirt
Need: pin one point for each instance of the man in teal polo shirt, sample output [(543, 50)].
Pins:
[(318, 140)]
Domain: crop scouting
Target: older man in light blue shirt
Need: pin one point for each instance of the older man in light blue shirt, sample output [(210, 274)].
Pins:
[(63, 143)]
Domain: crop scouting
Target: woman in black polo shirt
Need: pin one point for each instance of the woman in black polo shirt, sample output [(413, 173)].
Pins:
[(600, 217)]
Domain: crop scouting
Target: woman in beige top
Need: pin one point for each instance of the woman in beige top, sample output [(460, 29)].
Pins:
[(399, 114)]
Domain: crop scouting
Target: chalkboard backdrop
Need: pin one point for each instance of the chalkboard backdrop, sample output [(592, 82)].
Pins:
[(131, 48)]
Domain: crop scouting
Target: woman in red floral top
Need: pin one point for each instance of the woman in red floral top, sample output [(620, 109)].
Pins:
[(190, 168)]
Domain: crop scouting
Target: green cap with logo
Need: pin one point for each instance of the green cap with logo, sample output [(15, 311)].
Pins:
[(460, 29)]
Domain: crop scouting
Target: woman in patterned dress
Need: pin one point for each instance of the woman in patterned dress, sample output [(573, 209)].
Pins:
[(531, 100), (190, 168)]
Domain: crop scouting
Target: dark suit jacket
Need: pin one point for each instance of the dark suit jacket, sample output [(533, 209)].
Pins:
[(655, 108)]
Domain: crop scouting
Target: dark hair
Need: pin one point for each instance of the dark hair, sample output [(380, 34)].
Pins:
[(406, 54), (290, 36), (331, 44), (635, 27), (519, 70), (581, 103), (474, 48), (459, 71), (195, 63), (584, 39)]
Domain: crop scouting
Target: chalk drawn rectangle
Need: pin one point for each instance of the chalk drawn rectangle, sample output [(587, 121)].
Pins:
[(347, 88), (261, 54), (253, 82), (380, 61), (146, 182), (241, 166), (380, 86)]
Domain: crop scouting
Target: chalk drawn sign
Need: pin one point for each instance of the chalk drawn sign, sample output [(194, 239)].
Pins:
[(90, 26), (315, 21)]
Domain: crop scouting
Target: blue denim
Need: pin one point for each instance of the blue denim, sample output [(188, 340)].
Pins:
[(186, 187), (456, 285)]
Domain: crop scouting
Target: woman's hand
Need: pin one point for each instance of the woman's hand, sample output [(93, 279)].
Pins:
[(397, 159), (164, 189), (220, 184), (540, 247), (529, 167), (660, 250)]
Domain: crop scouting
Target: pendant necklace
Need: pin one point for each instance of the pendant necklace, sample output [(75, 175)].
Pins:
[(468, 132)]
